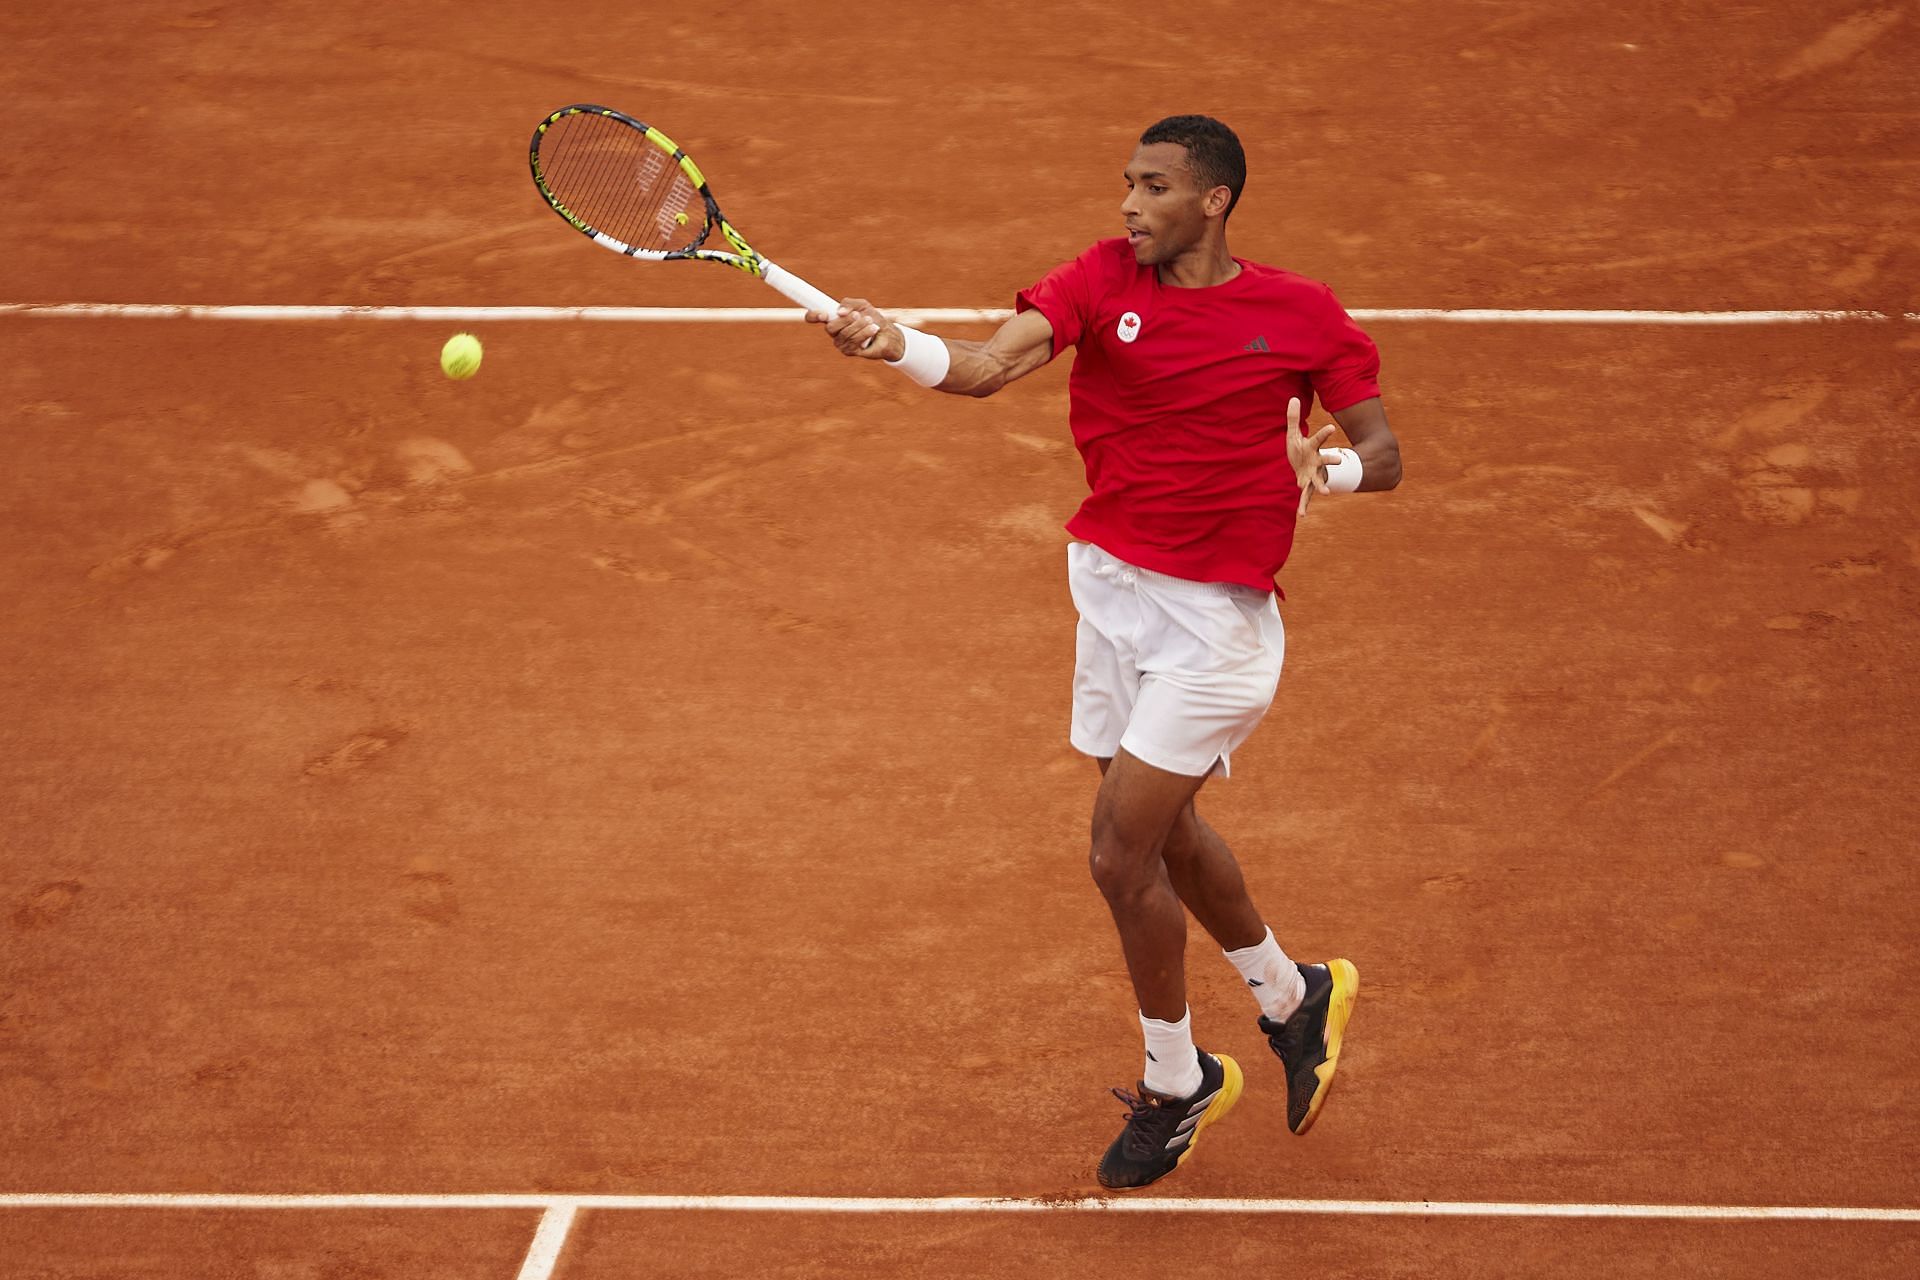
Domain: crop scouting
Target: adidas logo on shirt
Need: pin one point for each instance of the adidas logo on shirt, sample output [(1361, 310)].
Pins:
[(1258, 344)]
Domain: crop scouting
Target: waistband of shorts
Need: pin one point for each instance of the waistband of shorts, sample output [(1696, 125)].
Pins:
[(1231, 590)]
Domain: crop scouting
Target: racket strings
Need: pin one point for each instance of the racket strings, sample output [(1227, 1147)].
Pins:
[(585, 176), (618, 181)]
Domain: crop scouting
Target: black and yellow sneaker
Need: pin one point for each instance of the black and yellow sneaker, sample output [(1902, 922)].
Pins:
[(1162, 1132), (1308, 1042)]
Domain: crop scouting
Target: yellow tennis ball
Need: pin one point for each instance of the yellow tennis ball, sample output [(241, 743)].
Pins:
[(460, 358)]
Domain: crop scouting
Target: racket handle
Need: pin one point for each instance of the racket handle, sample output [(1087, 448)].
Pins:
[(796, 289)]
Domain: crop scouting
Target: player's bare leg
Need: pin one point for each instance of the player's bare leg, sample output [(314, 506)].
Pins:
[(1305, 1030), (1184, 1089), (1207, 877), (1135, 808)]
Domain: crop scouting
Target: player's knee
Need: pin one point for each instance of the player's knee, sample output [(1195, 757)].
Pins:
[(1123, 869), (1120, 880)]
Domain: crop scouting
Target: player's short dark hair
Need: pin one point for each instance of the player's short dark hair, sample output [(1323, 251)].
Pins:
[(1212, 150)]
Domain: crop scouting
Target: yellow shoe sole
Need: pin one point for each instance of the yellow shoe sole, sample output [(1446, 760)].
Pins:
[(1346, 989)]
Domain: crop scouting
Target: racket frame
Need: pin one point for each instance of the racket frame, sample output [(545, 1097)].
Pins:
[(744, 258)]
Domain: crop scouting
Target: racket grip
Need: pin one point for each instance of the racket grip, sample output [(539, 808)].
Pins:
[(796, 289)]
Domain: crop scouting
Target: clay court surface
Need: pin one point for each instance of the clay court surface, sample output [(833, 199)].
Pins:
[(642, 770)]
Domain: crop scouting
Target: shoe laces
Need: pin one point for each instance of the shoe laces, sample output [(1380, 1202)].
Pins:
[(1142, 1113)]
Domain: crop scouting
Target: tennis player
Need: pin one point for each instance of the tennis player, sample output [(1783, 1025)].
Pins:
[(1192, 372)]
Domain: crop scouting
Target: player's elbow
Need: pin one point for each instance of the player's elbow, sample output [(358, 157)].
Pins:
[(1389, 468), (1383, 464)]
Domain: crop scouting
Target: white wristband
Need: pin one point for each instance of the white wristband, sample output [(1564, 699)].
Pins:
[(926, 360), (1343, 470)]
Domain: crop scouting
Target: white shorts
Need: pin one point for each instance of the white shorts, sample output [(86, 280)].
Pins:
[(1177, 672)]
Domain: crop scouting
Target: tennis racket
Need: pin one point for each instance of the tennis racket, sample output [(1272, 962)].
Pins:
[(626, 185)]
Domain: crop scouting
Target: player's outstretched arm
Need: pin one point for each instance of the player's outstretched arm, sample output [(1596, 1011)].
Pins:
[(962, 368)]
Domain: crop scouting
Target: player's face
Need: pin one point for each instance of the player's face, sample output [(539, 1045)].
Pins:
[(1165, 209)]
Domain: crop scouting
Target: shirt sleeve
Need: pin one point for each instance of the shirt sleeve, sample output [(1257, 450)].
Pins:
[(1065, 297), (1347, 370)]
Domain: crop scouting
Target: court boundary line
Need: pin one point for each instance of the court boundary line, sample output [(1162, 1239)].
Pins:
[(919, 315), (568, 1205), (559, 1211), (548, 1239)]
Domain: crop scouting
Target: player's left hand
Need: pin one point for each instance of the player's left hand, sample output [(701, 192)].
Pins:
[(1303, 451)]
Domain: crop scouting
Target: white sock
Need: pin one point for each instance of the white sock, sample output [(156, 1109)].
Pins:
[(1173, 1065), (1276, 984)]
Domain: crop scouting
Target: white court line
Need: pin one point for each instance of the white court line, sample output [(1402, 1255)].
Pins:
[(960, 1204), (545, 1250), (923, 315)]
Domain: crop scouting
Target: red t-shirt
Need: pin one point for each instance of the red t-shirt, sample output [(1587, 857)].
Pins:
[(1179, 406)]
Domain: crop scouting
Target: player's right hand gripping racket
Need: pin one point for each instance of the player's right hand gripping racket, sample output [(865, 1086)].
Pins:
[(626, 185)]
